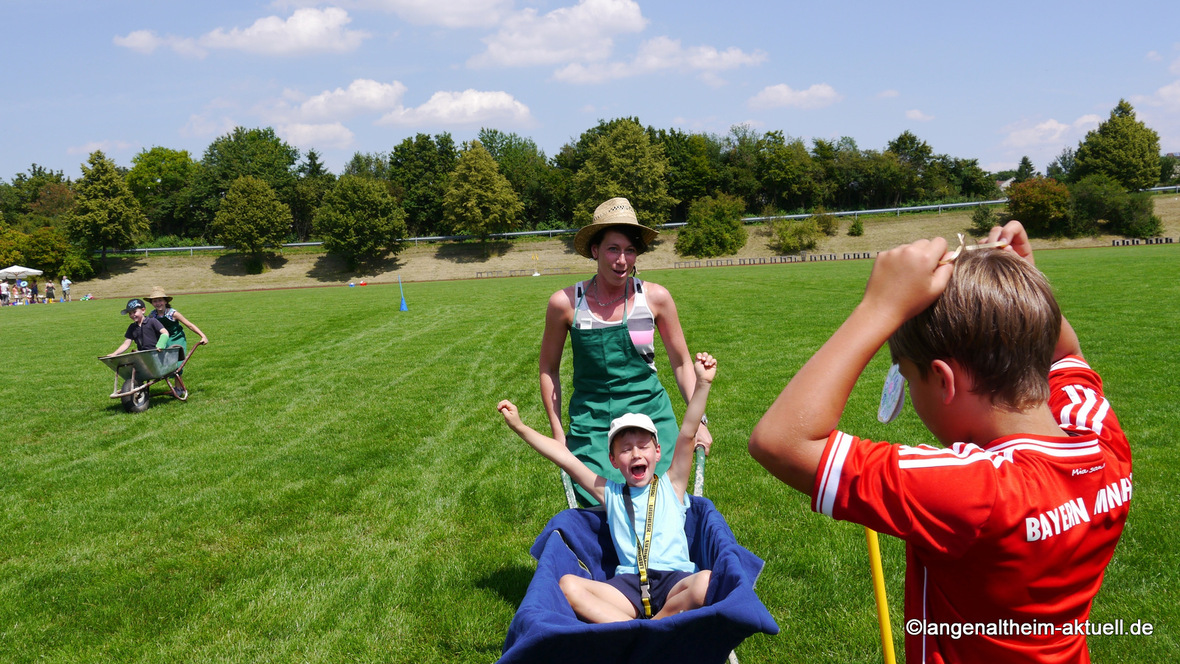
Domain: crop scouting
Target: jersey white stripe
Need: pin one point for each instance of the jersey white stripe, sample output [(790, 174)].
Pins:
[(830, 485)]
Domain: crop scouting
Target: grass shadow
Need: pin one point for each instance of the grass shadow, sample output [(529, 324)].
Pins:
[(330, 268), (237, 265), (510, 583), (119, 265), (472, 251)]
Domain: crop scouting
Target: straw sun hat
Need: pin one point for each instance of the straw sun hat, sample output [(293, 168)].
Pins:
[(158, 292), (615, 212)]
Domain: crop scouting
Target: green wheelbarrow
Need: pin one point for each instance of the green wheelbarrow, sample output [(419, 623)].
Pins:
[(140, 370)]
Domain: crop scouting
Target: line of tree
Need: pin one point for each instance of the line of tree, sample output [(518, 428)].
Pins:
[(252, 190)]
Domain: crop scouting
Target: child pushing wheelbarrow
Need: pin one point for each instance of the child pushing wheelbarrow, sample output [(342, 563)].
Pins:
[(155, 360)]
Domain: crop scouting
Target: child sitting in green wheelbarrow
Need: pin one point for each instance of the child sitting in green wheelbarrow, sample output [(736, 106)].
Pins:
[(147, 333)]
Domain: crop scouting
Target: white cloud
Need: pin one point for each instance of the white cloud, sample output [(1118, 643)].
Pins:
[(323, 136), (204, 125), (306, 31), (582, 33), (362, 96), (781, 96), (1167, 97), (470, 107), (888, 94), (1175, 68), (1153, 56), (1049, 132), (661, 54), (107, 147), (447, 13), (918, 116), (144, 41)]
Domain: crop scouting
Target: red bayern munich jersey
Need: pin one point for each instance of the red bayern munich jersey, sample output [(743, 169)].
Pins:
[(1006, 545)]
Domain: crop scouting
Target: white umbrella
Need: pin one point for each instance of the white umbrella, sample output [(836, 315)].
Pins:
[(16, 272)]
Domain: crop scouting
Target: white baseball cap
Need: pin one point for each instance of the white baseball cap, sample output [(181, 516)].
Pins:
[(630, 420)]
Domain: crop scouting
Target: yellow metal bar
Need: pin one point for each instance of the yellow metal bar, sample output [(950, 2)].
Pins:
[(879, 593)]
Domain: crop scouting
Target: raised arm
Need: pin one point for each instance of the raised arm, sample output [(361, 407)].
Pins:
[(790, 438), (704, 371), (559, 315), (554, 450), (189, 325), (124, 346), (663, 308)]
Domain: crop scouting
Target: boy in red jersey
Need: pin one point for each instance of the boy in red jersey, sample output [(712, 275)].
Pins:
[(1009, 530)]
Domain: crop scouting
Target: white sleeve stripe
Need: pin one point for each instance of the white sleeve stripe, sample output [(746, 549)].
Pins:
[(830, 484), (1069, 363), (950, 461), (1086, 416)]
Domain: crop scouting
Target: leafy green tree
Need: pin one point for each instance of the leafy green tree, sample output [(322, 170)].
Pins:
[(106, 214), (714, 227), (360, 221), (982, 220), (1169, 169), (1025, 170), (1098, 201), (27, 188), (258, 153), (1122, 148), (479, 200), (313, 184), (1042, 205), (785, 169), (373, 165), (694, 164), (828, 224), (857, 228), (47, 249), (739, 173), (158, 178), (12, 243), (913, 156), (796, 235), (530, 174), (252, 218), (1062, 168), (625, 163), (420, 169)]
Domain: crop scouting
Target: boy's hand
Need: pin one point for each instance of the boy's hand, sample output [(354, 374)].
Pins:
[(907, 279), (510, 412), (705, 367), (1017, 238)]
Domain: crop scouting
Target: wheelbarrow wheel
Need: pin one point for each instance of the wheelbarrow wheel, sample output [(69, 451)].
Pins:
[(134, 403)]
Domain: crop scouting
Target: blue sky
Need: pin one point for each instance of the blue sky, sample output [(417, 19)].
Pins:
[(991, 81)]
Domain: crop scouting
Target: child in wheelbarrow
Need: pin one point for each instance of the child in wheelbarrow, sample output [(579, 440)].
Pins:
[(655, 578), (146, 333)]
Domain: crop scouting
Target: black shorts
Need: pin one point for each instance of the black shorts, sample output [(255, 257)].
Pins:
[(660, 584)]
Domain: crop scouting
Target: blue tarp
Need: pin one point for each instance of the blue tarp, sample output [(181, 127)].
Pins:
[(545, 628)]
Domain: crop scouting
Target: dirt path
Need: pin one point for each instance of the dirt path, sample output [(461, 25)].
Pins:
[(203, 272)]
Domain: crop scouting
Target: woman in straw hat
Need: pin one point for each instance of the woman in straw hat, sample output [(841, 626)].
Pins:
[(611, 321), (171, 319)]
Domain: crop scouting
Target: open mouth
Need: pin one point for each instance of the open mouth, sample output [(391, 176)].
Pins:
[(638, 471)]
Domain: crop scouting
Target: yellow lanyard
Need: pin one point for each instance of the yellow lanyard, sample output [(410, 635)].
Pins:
[(643, 550)]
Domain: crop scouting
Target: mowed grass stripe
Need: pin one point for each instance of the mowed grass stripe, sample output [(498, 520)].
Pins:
[(339, 486)]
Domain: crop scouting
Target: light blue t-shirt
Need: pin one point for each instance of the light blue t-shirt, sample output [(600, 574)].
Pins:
[(669, 544)]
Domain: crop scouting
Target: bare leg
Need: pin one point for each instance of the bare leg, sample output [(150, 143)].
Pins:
[(595, 601), (688, 593)]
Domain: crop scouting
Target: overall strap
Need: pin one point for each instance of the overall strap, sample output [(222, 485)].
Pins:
[(643, 549)]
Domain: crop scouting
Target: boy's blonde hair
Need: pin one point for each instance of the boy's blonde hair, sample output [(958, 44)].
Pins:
[(998, 320)]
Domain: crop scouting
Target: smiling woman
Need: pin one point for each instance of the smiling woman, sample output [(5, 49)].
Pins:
[(611, 321)]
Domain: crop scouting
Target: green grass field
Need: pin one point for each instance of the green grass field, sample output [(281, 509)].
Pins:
[(340, 488)]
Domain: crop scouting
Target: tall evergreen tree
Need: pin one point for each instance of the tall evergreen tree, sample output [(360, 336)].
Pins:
[(106, 214), (419, 169), (479, 200), (1122, 148)]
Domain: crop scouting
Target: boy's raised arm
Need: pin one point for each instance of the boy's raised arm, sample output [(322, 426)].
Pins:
[(555, 451), (790, 438), (705, 369)]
